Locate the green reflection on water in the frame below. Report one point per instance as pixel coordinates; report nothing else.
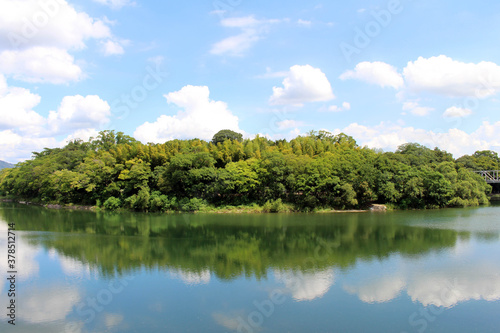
(229, 246)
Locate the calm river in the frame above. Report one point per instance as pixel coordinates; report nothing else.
(410, 271)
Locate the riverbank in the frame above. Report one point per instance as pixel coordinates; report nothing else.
(51, 206)
(241, 209)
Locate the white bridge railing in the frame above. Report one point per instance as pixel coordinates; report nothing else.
(490, 176)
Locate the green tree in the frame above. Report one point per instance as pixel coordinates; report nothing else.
(226, 134)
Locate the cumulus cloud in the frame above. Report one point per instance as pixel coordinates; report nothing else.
(379, 290)
(23, 130)
(389, 136)
(445, 286)
(16, 107)
(456, 112)
(15, 147)
(201, 117)
(40, 65)
(377, 72)
(37, 36)
(449, 287)
(111, 47)
(445, 76)
(33, 308)
(306, 286)
(414, 108)
(252, 30)
(303, 84)
(78, 112)
(28, 23)
(441, 75)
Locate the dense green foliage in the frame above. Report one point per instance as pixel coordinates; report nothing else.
(224, 135)
(317, 170)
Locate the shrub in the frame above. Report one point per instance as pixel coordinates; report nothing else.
(191, 205)
(112, 203)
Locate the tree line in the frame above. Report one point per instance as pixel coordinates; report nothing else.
(317, 170)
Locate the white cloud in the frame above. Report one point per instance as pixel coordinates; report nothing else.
(456, 112)
(78, 112)
(38, 36)
(271, 75)
(288, 123)
(378, 290)
(306, 286)
(445, 76)
(23, 130)
(377, 72)
(252, 30)
(16, 107)
(304, 23)
(15, 147)
(449, 287)
(201, 118)
(389, 136)
(74, 268)
(303, 84)
(33, 308)
(40, 65)
(81, 134)
(112, 320)
(415, 108)
(235, 45)
(442, 287)
(191, 278)
(111, 47)
(335, 108)
(23, 25)
(115, 4)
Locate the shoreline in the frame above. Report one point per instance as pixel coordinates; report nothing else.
(211, 210)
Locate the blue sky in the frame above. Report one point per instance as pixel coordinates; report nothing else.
(385, 72)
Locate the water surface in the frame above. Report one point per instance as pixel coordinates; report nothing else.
(412, 271)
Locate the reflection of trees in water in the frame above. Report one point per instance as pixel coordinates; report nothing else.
(228, 246)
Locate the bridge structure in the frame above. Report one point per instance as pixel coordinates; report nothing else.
(490, 176)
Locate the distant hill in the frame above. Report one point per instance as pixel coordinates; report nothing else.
(5, 165)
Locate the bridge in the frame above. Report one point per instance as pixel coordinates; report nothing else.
(490, 176)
